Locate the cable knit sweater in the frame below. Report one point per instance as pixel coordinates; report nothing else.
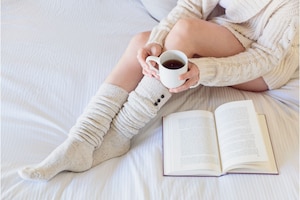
(268, 29)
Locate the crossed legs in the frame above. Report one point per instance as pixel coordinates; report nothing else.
(85, 146)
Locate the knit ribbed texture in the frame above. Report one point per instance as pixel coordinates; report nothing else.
(71, 155)
(265, 56)
(95, 121)
(142, 105)
(76, 152)
(282, 74)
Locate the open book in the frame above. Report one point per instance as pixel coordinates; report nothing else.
(233, 139)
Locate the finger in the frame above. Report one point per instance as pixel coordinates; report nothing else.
(141, 56)
(151, 73)
(191, 73)
(187, 85)
(150, 67)
(155, 50)
(185, 76)
(180, 88)
(147, 72)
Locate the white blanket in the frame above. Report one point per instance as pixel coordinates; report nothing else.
(55, 54)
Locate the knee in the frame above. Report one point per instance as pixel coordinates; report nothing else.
(180, 33)
(140, 39)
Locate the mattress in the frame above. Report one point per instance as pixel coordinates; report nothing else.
(55, 55)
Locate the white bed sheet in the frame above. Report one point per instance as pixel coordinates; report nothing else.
(55, 54)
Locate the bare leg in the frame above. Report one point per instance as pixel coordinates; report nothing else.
(128, 72)
(76, 154)
(197, 37)
(187, 36)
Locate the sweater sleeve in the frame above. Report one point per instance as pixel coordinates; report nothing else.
(183, 9)
(262, 57)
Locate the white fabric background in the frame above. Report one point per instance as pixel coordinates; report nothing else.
(55, 54)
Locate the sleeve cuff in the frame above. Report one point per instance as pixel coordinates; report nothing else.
(207, 73)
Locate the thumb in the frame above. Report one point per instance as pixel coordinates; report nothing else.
(155, 50)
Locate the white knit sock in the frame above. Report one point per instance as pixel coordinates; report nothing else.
(71, 155)
(114, 144)
(142, 106)
(76, 152)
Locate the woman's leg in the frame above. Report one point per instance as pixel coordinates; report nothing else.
(128, 72)
(76, 152)
(256, 85)
(195, 38)
(142, 105)
(199, 38)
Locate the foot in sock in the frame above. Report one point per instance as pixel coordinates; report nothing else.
(76, 153)
(71, 155)
(113, 145)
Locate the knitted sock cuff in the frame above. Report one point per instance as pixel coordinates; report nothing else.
(142, 106)
(95, 121)
(108, 100)
(115, 94)
(154, 91)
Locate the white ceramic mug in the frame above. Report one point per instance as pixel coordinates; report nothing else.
(171, 64)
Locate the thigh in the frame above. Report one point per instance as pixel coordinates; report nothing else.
(256, 85)
(202, 38)
(127, 73)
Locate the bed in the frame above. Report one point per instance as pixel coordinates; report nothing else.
(55, 54)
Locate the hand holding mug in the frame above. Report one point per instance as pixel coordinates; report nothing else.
(151, 49)
(171, 64)
(191, 77)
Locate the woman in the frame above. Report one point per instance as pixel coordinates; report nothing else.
(249, 45)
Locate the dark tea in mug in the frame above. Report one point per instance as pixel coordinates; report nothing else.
(173, 64)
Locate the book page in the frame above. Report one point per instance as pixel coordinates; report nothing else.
(190, 143)
(267, 167)
(239, 134)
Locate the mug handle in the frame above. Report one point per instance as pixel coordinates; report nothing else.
(155, 59)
